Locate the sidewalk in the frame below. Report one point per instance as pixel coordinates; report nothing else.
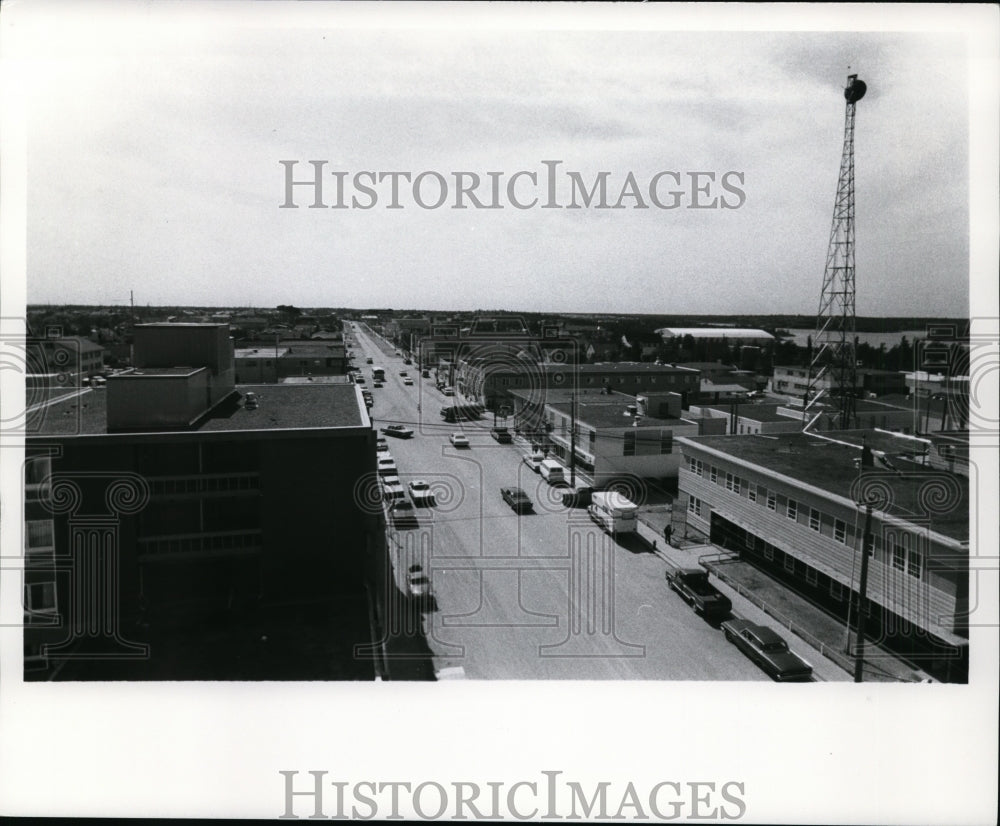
(761, 599)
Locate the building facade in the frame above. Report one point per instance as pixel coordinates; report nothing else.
(790, 504)
(174, 492)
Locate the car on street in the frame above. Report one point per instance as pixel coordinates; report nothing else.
(387, 466)
(403, 373)
(517, 499)
(449, 391)
(392, 490)
(421, 493)
(368, 360)
(768, 649)
(425, 374)
(381, 445)
(579, 498)
(408, 382)
(402, 514)
(502, 435)
(397, 430)
(534, 461)
(459, 440)
(417, 583)
(376, 384)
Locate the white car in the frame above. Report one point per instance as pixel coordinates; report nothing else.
(449, 391)
(387, 467)
(534, 461)
(408, 382)
(421, 493)
(459, 440)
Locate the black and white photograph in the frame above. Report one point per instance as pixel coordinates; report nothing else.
(483, 411)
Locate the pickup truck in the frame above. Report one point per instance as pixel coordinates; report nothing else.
(693, 586)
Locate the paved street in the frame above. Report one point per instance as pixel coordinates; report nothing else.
(540, 595)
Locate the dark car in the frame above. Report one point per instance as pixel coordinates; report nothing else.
(579, 498)
(403, 515)
(501, 434)
(768, 649)
(517, 499)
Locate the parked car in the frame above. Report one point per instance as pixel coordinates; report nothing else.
(502, 435)
(387, 466)
(376, 384)
(517, 499)
(397, 430)
(768, 649)
(368, 360)
(459, 440)
(579, 498)
(421, 493)
(534, 461)
(449, 391)
(402, 514)
(425, 374)
(694, 588)
(381, 445)
(418, 584)
(408, 382)
(402, 373)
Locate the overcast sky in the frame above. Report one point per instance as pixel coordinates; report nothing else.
(154, 143)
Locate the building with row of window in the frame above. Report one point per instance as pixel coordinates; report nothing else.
(794, 504)
(492, 382)
(616, 436)
(270, 364)
(175, 493)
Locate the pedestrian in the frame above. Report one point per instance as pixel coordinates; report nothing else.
(667, 532)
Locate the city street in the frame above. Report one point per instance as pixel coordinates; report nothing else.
(545, 594)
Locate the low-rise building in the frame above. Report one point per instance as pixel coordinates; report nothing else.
(794, 504)
(491, 382)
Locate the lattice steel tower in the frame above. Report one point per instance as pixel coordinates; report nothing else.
(832, 367)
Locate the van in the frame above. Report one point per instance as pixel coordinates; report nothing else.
(552, 472)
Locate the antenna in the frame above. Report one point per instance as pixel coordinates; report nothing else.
(832, 368)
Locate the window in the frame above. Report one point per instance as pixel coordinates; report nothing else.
(897, 554)
(768, 551)
(695, 465)
(772, 501)
(790, 563)
(41, 597)
(694, 505)
(836, 590)
(593, 438)
(811, 576)
(628, 447)
(839, 531)
(713, 473)
(752, 492)
(792, 510)
(916, 564)
(666, 441)
(733, 483)
(38, 534)
(814, 519)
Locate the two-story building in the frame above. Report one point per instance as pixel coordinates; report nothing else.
(794, 504)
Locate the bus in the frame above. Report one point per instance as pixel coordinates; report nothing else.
(460, 412)
(378, 374)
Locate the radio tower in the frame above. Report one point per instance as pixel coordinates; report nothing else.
(832, 365)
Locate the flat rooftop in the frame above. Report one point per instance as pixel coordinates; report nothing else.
(603, 414)
(281, 407)
(829, 465)
(755, 412)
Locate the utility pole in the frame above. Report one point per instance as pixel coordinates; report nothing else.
(859, 653)
(572, 440)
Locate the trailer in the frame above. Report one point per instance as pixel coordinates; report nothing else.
(613, 512)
